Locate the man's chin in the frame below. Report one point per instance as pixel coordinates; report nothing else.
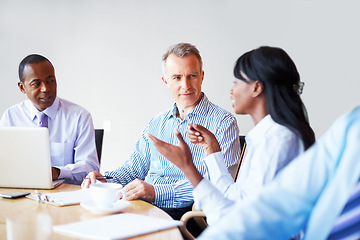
(190, 101)
(43, 106)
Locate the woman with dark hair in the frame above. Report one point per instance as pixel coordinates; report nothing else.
(275, 70)
(267, 87)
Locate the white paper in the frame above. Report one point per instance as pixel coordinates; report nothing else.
(118, 226)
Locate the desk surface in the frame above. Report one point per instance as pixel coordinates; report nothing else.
(69, 214)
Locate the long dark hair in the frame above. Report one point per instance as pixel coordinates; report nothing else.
(277, 72)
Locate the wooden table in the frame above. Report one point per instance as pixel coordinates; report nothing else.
(75, 213)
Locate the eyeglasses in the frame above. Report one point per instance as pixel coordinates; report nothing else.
(40, 197)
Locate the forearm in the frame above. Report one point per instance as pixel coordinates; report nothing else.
(81, 163)
(211, 201)
(123, 175)
(80, 156)
(192, 174)
(174, 195)
(213, 148)
(218, 173)
(136, 167)
(75, 173)
(229, 143)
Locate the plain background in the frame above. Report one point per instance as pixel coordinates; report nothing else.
(107, 54)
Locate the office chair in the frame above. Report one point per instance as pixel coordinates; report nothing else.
(99, 135)
(197, 215)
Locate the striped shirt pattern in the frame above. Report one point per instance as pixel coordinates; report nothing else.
(347, 226)
(172, 188)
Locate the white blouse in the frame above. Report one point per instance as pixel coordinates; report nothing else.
(270, 147)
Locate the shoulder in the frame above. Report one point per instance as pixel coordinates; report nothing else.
(351, 118)
(271, 134)
(280, 133)
(73, 112)
(161, 116)
(213, 117)
(345, 127)
(20, 114)
(71, 107)
(220, 115)
(276, 145)
(281, 139)
(218, 112)
(18, 108)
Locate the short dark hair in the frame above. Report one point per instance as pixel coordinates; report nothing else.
(181, 50)
(31, 59)
(277, 72)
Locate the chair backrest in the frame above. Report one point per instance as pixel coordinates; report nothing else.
(99, 135)
(242, 152)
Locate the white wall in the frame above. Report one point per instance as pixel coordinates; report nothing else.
(107, 54)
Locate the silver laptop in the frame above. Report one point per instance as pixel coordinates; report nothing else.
(25, 158)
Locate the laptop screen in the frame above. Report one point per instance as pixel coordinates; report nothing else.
(25, 158)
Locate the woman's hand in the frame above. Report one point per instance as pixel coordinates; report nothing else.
(178, 155)
(202, 137)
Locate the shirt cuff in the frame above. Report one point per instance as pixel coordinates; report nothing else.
(215, 165)
(64, 172)
(163, 195)
(211, 201)
(201, 192)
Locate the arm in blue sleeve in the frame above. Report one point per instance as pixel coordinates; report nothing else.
(135, 167)
(175, 195)
(285, 205)
(85, 156)
(228, 137)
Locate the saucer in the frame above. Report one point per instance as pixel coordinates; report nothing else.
(94, 208)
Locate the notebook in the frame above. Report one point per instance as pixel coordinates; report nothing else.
(25, 158)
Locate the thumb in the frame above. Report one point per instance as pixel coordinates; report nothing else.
(198, 127)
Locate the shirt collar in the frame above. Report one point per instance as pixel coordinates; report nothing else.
(50, 111)
(200, 109)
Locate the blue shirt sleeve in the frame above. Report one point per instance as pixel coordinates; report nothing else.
(303, 194)
(135, 167)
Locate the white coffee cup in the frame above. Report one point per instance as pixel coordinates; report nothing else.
(105, 195)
